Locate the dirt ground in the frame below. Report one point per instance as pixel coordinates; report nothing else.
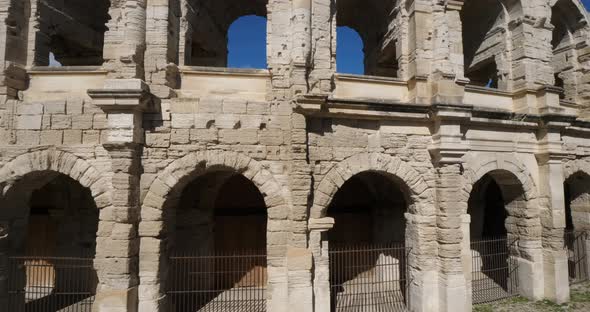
(580, 302)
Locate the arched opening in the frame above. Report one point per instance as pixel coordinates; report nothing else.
(53, 238)
(377, 24)
(484, 29)
(368, 257)
(218, 247)
(577, 213)
(71, 32)
(566, 19)
(225, 33)
(495, 206)
(349, 51)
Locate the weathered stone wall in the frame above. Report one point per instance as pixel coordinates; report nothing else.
(140, 126)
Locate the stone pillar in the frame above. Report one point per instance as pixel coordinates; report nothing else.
(467, 256)
(125, 40)
(318, 244)
(117, 246)
(447, 151)
(553, 215)
(452, 205)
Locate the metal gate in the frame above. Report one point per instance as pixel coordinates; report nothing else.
(220, 282)
(369, 278)
(575, 242)
(51, 284)
(494, 271)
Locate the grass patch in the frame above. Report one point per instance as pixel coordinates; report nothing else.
(483, 308)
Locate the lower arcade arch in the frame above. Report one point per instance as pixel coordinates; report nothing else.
(497, 208)
(217, 247)
(368, 256)
(577, 225)
(53, 222)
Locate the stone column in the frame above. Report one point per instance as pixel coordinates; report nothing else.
(318, 244)
(466, 255)
(117, 247)
(553, 215)
(447, 151)
(125, 40)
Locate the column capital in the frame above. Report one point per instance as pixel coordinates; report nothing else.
(122, 95)
(321, 225)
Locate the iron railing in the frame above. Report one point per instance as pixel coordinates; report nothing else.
(369, 278)
(220, 282)
(575, 243)
(494, 271)
(49, 284)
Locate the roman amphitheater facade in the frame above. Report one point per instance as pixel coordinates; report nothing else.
(144, 150)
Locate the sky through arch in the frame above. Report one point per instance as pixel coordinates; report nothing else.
(247, 43)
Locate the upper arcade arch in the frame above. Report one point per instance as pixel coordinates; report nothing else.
(70, 30)
(570, 30)
(487, 43)
(379, 25)
(204, 27)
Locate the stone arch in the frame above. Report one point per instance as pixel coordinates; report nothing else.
(477, 167)
(410, 179)
(58, 161)
(579, 165)
(180, 172)
(163, 194)
(486, 35)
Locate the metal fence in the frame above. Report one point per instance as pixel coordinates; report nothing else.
(494, 270)
(50, 284)
(218, 282)
(575, 243)
(369, 278)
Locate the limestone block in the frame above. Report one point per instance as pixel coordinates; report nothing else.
(30, 109)
(55, 107)
(51, 137)
(157, 140)
(75, 106)
(72, 137)
(61, 122)
(180, 136)
(28, 137)
(28, 122)
(231, 106)
(210, 105)
(183, 121)
(91, 137)
(204, 135)
(241, 136)
(82, 122)
(271, 137)
(258, 108)
(100, 122)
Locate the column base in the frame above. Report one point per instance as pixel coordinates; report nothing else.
(557, 287)
(117, 300)
(453, 294)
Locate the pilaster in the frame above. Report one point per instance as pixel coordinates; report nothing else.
(447, 150)
(117, 254)
(553, 215)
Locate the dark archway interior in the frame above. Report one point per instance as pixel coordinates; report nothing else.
(482, 40)
(376, 24)
(367, 242)
(577, 204)
(487, 209)
(73, 31)
(206, 41)
(219, 246)
(56, 245)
